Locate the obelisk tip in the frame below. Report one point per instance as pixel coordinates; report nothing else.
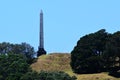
(41, 11)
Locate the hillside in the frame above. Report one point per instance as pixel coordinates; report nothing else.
(52, 62)
(60, 62)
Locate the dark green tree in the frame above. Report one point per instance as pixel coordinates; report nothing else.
(112, 54)
(5, 48)
(22, 48)
(86, 56)
(25, 49)
(13, 66)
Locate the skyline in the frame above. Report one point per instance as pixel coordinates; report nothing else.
(64, 21)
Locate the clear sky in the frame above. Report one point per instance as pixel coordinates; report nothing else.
(65, 21)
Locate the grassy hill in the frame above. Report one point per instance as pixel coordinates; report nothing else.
(52, 62)
(60, 62)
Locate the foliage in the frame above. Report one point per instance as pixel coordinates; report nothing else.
(22, 48)
(32, 75)
(97, 52)
(13, 66)
(112, 54)
(86, 56)
(44, 75)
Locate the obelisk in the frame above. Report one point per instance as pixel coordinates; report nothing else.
(41, 49)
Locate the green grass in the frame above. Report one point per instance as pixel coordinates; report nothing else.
(60, 62)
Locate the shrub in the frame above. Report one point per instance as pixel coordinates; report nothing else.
(45, 75)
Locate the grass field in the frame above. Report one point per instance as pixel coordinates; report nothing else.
(60, 62)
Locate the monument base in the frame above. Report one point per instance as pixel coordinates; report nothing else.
(40, 52)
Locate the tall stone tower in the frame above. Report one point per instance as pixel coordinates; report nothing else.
(41, 49)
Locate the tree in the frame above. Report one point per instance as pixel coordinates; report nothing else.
(5, 48)
(86, 57)
(25, 49)
(22, 48)
(112, 54)
(13, 66)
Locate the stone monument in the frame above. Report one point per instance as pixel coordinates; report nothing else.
(41, 49)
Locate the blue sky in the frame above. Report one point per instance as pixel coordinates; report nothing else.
(65, 21)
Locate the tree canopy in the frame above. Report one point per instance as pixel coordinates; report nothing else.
(13, 66)
(22, 48)
(94, 50)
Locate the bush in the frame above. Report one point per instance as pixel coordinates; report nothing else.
(30, 76)
(44, 75)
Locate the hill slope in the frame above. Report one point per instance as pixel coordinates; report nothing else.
(60, 62)
(52, 62)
